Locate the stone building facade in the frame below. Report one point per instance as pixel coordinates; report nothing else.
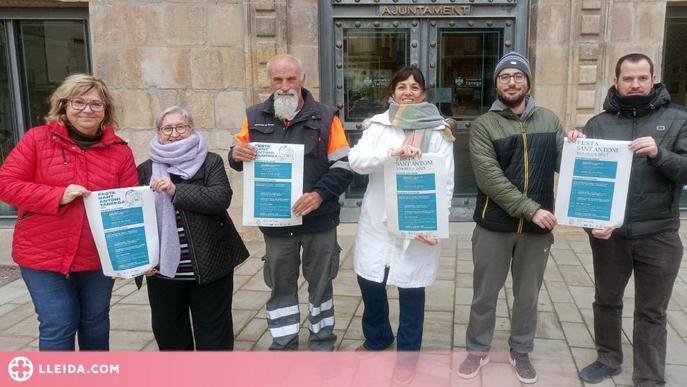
(210, 56)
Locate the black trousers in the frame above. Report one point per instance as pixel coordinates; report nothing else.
(210, 313)
(655, 261)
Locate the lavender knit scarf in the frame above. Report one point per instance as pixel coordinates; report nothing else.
(183, 158)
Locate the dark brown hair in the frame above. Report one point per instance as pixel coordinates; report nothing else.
(633, 58)
(403, 74)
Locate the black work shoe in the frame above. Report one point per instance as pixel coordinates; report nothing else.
(469, 368)
(597, 372)
(524, 369)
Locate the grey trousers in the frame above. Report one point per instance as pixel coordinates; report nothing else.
(494, 254)
(320, 255)
(655, 261)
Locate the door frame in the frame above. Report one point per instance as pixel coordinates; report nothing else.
(509, 16)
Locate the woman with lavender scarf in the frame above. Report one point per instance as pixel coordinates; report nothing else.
(199, 245)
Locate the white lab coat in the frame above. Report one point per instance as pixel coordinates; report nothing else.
(375, 247)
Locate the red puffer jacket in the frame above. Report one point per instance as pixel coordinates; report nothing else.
(33, 178)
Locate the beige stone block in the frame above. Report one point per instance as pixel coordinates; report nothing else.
(586, 99)
(651, 22)
(201, 106)
(206, 68)
(143, 25)
(6, 236)
(139, 141)
(552, 97)
(263, 80)
(219, 139)
(306, 2)
(303, 24)
(310, 56)
(550, 18)
(230, 109)
(264, 5)
(265, 26)
(167, 98)
(581, 119)
(232, 67)
(551, 64)
(589, 50)
(591, 4)
(263, 51)
(587, 74)
(166, 67)
(225, 25)
(621, 22)
(138, 108)
(185, 24)
(590, 24)
(107, 23)
(108, 65)
(131, 70)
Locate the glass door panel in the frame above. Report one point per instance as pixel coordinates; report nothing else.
(466, 62)
(466, 67)
(8, 129)
(368, 53)
(50, 50)
(371, 56)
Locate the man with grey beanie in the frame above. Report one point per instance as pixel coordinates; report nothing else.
(515, 148)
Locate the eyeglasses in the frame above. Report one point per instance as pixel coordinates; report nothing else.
(80, 104)
(505, 78)
(180, 129)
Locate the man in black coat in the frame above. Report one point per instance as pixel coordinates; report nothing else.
(639, 110)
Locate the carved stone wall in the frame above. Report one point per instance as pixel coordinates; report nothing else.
(578, 43)
(203, 55)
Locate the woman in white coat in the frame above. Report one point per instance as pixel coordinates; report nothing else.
(409, 128)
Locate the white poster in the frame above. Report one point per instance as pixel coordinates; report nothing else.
(124, 226)
(593, 181)
(271, 185)
(415, 191)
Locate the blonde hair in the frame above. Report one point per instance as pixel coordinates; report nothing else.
(76, 85)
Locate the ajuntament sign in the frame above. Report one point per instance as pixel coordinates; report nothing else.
(424, 10)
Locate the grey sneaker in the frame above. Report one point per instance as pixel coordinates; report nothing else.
(524, 369)
(469, 368)
(597, 372)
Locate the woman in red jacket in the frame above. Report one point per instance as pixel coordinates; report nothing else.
(46, 176)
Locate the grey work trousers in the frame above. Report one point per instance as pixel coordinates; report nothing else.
(655, 261)
(320, 255)
(494, 254)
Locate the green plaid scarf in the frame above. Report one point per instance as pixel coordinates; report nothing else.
(417, 120)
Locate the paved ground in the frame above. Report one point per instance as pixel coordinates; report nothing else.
(564, 336)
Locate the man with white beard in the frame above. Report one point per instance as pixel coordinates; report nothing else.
(291, 115)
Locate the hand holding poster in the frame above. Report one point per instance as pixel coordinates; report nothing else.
(272, 183)
(124, 228)
(593, 181)
(415, 196)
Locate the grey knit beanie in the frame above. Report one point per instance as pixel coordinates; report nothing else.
(513, 60)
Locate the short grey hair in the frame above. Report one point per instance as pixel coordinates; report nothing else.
(174, 109)
(301, 71)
